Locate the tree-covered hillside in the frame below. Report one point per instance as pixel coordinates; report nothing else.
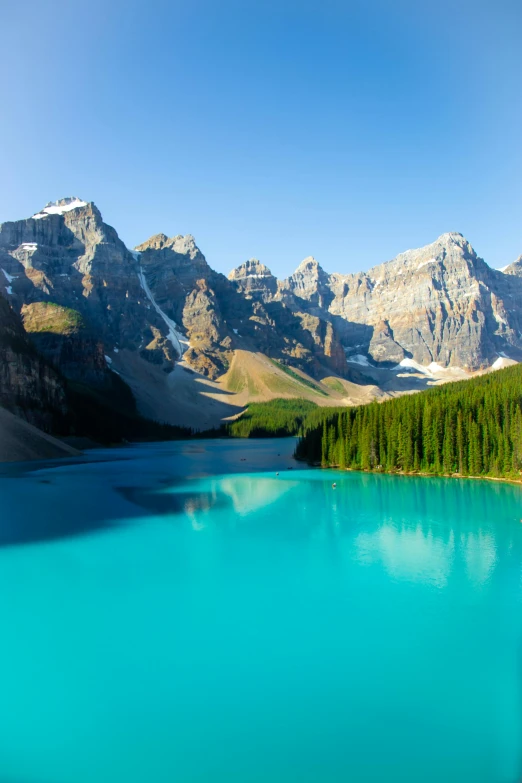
(471, 428)
(277, 418)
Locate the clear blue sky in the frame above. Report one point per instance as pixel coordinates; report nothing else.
(347, 131)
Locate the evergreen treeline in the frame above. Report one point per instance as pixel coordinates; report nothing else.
(471, 428)
(111, 416)
(277, 418)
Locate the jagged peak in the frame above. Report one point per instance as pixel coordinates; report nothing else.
(513, 268)
(155, 242)
(251, 268)
(433, 253)
(309, 264)
(184, 245)
(69, 201)
(451, 236)
(60, 207)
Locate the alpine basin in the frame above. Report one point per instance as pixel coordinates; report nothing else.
(179, 612)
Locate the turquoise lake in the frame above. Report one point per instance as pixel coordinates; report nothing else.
(178, 612)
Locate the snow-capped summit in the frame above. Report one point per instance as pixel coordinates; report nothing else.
(60, 206)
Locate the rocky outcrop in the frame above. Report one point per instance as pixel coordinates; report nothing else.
(382, 345)
(281, 328)
(441, 303)
(514, 269)
(189, 294)
(66, 254)
(62, 336)
(310, 283)
(254, 279)
(29, 387)
(217, 315)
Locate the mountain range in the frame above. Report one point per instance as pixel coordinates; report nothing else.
(194, 346)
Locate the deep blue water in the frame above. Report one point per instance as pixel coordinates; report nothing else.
(177, 612)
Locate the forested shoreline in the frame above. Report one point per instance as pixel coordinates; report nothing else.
(277, 418)
(468, 428)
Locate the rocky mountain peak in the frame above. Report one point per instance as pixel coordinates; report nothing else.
(180, 245)
(452, 249)
(452, 236)
(155, 242)
(454, 241)
(513, 269)
(250, 268)
(254, 280)
(309, 282)
(60, 207)
(310, 265)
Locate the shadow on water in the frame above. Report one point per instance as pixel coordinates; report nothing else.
(30, 531)
(172, 503)
(32, 528)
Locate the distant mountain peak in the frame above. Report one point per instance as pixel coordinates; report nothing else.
(308, 263)
(60, 207)
(183, 245)
(451, 236)
(515, 268)
(452, 243)
(251, 268)
(310, 268)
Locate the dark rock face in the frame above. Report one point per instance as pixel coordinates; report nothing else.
(29, 386)
(63, 338)
(383, 347)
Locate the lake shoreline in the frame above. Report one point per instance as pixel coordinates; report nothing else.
(414, 474)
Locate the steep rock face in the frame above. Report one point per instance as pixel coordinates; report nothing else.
(191, 294)
(62, 336)
(254, 279)
(382, 345)
(66, 254)
(281, 328)
(172, 265)
(309, 282)
(514, 269)
(217, 315)
(210, 341)
(441, 303)
(29, 387)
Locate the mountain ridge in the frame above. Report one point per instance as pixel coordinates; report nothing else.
(161, 308)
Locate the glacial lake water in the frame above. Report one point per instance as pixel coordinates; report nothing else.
(179, 613)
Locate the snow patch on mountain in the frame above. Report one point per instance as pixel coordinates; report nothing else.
(502, 362)
(179, 342)
(60, 207)
(358, 358)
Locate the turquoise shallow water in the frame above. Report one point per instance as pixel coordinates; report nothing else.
(178, 612)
